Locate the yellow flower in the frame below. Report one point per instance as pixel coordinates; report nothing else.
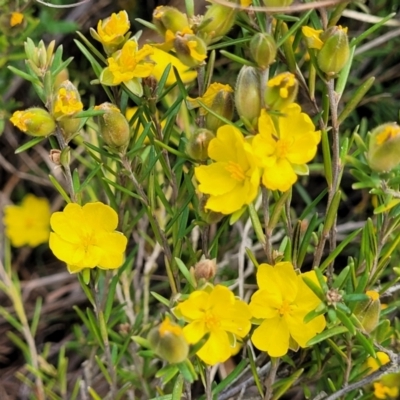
(374, 364)
(67, 101)
(279, 153)
(233, 180)
(218, 313)
(85, 237)
(111, 30)
(381, 391)
(34, 121)
(29, 223)
(245, 3)
(162, 59)
(209, 96)
(282, 302)
(16, 18)
(281, 91)
(128, 65)
(312, 37)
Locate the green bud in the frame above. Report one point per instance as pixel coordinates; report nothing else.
(208, 216)
(169, 18)
(222, 104)
(69, 127)
(197, 145)
(168, 342)
(114, 127)
(217, 22)
(34, 121)
(281, 91)
(248, 94)
(190, 49)
(335, 51)
(263, 49)
(277, 3)
(384, 147)
(39, 57)
(368, 311)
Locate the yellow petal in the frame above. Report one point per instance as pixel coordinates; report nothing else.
(194, 331)
(266, 303)
(225, 145)
(215, 179)
(279, 176)
(217, 348)
(193, 307)
(100, 216)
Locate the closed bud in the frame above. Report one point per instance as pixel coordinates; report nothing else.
(55, 156)
(114, 127)
(248, 95)
(34, 121)
(67, 101)
(263, 49)
(281, 91)
(197, 145)
(168, 342)
(205, 269)
(167, 18)
(217, 22)
(277, 3)
(335, 51)
(190, 49)
(368, 311)
(222, 105)
(69, 127)
(384, 147)
(39, 57)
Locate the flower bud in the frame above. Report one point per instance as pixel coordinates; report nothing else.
(34, 121)
(39, 58)
(368, 311)
(205, 269)
(384, 147)
(222, 104)
(169, 18)
(197, 145)
(263, 49)
(67, 101)
(217, 22)
(111, 31)
(168, 342)
(55, 156)
(190, 49)
(114, 127)
(277, 3)
(208, 216)
(69, 127)
(281, 91)
(335, 52)
(248, 94)
(12, 24)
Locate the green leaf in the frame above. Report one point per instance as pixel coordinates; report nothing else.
(186, 273)
(59, 188)
(29, 144)
(161, 299)
(368, 346)
(337, 330)
(345, 320)
(230, 378)
(283, 385)
(24, 75)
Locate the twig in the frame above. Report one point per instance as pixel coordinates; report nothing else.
(271, 378)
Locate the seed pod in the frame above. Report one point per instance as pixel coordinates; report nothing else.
(168, 342)
(197, 145)
(34, 121)
(222, 104)
(263, 49)
(384, 147)
(169, 18)
(248, 94)
(335, 51)
(205, 269)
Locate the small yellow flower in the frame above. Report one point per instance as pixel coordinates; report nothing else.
(209, 96)
(16, 18)
(111, 30)
(281, 91)
(128, 65)
(278, 153)
(34, 121)
(312, 37)
(282, 302)
(29, 223)
(233, 180)
(381, 391)
(374, 364)
(67, 101)
(85, 237)
(218, 313)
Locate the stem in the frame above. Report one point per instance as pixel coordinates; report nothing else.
(271, 378)
(209, 395)
(65, 164)
(265, 206)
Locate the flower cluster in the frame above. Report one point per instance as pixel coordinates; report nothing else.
(278, 307)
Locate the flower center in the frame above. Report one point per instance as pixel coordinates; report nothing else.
(88, 241)
(212, 322)
(236, 171)
(282, 148)
(285, 309)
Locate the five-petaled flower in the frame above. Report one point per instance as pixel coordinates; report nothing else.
(280, 148)
(233, 180)
(29, 223)
(281, 303)
(111, 30)
(217, 313)
(85, 237)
